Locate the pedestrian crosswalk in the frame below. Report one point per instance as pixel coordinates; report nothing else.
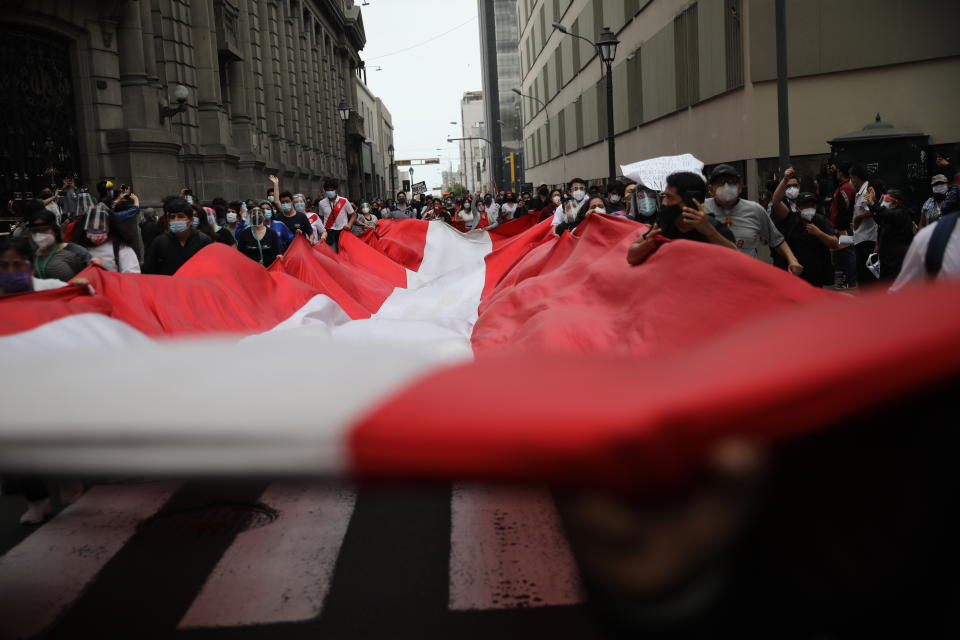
(506, 551)
(43, 575)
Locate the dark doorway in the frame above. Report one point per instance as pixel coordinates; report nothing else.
(38, 131)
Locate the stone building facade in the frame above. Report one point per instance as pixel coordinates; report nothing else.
(264, 78)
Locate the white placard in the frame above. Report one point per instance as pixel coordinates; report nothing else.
(653, 173)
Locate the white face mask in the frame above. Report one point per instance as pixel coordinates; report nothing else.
(270, 198)
(727, 192)
(614, 198)
(939, 188)
(579, 195)
(366, 209)
(231, 217)
(807, 214)
(43, 240)
(556, 199)
(599, 210)
(793, 192)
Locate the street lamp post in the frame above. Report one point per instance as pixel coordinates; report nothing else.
(489, 146)
(606, 48)
(343, 110)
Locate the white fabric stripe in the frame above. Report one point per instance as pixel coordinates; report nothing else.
(198, 407)
(43, 575)
(83, 330)
(280, 572)
(193, 407)
(508, 550)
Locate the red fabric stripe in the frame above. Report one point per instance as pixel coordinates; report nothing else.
(577, 293)
(359, 294)
(640, 422)
(218, 291)
(360, 255)
(402, 241)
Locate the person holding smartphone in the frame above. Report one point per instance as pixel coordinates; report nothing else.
(682, 216)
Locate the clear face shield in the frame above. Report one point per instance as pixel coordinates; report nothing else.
(97, 225)
(257, 219)
(299, 203)
(98, 219)
(645, 202)
(86, 204)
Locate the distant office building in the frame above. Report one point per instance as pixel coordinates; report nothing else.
(474, 154)
(500, 59)
(700, 77)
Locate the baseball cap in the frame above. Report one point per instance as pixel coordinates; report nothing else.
(806, 196)
(722, 171)
(939, 179)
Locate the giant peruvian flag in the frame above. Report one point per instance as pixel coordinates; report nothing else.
(420, 351)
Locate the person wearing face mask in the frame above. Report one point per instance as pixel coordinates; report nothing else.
(615, 191)
(784, 199)
(107, 242)
(234, 223)
(676, 220)
(577, 189)
(541, 202)
(930, 211)
(366, 220)
(337, 213)
(295, 220)
(894, 231)
(748, 221)
(465, 212)
(400, 209)
(509, 209)
(594, 204)
(210, 226)
(54, 258)
(259, 242)
(811, 237)
(271, 220)
(643, 204)
(300, 205)
(171, 250)
(17, 272)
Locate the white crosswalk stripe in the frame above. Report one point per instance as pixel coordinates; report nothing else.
(42, 576)
(507, 550)
(280, 572)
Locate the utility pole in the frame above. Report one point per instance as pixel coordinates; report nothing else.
(783, 106)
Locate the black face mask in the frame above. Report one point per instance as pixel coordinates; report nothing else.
(667, 219)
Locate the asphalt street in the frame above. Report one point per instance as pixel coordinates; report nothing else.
(259, 560)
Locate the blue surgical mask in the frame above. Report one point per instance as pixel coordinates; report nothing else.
(178, 226)
(196, 222)
(648, 206)
(268, 214)
(286, 206)
(300, 207)
(16, 281)
(331, 194)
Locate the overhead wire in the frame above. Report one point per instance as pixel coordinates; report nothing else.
(425, 42)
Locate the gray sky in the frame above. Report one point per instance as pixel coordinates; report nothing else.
(422, 86)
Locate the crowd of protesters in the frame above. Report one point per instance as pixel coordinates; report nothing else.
(852, 231)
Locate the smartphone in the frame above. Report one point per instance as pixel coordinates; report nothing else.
(688, 199)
